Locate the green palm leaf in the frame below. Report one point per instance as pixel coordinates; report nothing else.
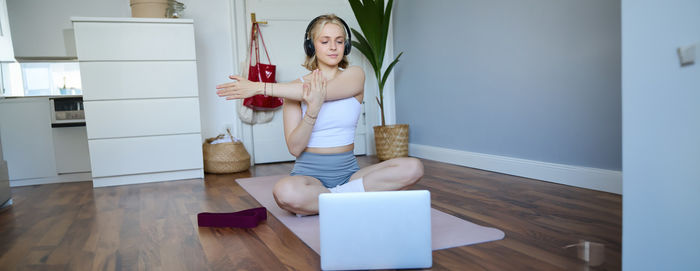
(374, 22)
(388, 70)
(385, 24)
(364, 47)
(368, 20)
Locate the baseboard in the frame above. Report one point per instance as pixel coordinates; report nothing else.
(148, 178)
(61, 178)
(585, 177)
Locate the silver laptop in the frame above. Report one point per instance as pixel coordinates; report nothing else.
(375, 230)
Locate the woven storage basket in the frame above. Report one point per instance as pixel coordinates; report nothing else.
(228, 157)
(391, 141)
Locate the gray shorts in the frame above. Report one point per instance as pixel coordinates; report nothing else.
(331, 169)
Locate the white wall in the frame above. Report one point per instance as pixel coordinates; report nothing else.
(661, 136)
(42, 29)
(215, 62)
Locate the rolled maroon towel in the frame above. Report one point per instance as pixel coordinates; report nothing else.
(242, 219)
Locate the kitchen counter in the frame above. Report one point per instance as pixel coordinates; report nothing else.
(41, 96)
(60, 117)
(35, 152)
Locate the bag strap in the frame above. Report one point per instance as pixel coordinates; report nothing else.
(252, 40)
(257, 52)
(257, 45)
(269, 61)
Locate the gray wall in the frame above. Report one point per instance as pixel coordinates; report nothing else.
(661, 136)
(537, 80)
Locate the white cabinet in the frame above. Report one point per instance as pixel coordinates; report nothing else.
(6, 52)
(27, 138)
(6, 55)
(146, 154)
(1, 157)
(104, 39)
(4, 174)
(4, 183)
(141, 100)
(139, 79)
(71, 147)
(128, 118)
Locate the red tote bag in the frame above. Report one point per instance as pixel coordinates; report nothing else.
(260, 73)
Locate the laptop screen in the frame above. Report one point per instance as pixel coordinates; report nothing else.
(375, 230)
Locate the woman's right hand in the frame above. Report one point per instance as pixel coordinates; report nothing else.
(240, 89)
(314, 93)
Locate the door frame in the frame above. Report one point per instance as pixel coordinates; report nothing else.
(240, 25)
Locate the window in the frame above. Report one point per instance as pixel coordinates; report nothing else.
(41, 78)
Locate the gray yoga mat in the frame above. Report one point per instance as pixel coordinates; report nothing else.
(448, 231)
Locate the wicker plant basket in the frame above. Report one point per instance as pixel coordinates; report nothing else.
(391, 141)
(228, 157)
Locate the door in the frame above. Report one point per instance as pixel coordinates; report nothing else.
(286, 22)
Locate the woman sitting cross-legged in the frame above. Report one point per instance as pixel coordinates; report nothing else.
(320, 113)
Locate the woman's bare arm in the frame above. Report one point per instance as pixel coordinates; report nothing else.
(347, 84)
(296, 131)
(298, 128)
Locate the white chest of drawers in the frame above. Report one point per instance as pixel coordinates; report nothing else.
(141, 100)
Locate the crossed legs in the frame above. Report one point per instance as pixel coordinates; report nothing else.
(299, 194)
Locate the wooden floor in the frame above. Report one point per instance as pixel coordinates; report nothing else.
(153, 226)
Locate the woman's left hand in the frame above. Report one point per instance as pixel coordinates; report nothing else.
(240, 89)
(315, 92)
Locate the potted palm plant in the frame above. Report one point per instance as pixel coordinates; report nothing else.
(390, 140)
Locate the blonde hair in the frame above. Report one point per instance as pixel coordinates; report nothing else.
(311, 63)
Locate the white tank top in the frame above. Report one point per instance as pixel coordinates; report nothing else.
(335, 124)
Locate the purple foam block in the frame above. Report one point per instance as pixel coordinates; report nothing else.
(242, 219)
